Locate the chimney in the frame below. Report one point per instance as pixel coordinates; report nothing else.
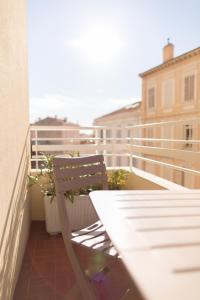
(168, 51)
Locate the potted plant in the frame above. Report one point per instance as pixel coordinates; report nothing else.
(117, 179)
(79, 207)
(44, 178)
(80, 210)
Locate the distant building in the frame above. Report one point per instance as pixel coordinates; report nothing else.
(171, 91)
(52, 137)
(117, 128)
(54, 121)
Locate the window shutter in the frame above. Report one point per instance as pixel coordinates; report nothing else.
(151, 98)
(189, 88)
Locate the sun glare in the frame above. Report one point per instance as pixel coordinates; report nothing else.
(100, 43)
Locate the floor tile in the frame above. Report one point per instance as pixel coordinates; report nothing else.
(46, 272)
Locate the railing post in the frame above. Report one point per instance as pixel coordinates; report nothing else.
(36, 148)
(131, 151)
(97, 139)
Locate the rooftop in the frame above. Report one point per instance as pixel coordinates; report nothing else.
(172, 61)
(128, 108)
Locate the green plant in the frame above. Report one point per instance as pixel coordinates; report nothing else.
(45, 178)
(117, 179)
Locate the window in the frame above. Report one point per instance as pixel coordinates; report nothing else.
(118, 161)
(168, 94)
(188, 134)
(101, 133)
(151, 98)
(118, 135)
(128, 136)
(189, 88)
(109, 160)
(108, 135)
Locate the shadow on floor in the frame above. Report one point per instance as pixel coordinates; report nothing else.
(46, 272)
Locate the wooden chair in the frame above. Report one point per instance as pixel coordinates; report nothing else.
(71, 174)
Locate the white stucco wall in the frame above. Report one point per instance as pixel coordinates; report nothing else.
(14, 122)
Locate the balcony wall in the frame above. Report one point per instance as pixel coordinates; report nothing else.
(14, 126)
(137, 180)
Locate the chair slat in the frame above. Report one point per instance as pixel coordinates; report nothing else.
(82, 170)
(79, 238)
(83, 182)
(60, 161)
(95, 226)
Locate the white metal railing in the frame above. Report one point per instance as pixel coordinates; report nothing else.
(155, 147)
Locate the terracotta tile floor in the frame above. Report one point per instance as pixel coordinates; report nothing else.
(46, 272)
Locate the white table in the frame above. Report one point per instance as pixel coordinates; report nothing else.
(157, 234)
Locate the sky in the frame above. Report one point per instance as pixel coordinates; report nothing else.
(85, 55)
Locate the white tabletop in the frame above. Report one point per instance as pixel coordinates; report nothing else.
(157, 234)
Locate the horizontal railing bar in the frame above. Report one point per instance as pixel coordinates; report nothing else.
(63, 138)
(163, 123)
(101, 143)
(62, 128)
(165, 140)
(81, 128)
(74, 147)
(169, 153)
(40, 158)
(118, 139)
(167, 165)
(76, 138)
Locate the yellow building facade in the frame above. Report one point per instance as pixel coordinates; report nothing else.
(171, 92)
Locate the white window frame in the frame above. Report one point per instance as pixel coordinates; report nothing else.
(188, 132)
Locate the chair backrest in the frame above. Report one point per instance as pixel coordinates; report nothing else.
(72, 174)
(79, 172)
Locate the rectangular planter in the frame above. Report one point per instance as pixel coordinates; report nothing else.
(81, 213)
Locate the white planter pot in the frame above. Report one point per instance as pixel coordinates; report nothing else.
(51, 215)
(81, 213)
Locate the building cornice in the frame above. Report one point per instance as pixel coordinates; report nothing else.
(172, 61)
(126, 109)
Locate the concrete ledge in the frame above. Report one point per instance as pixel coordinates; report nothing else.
(145, 180)
(137, 180)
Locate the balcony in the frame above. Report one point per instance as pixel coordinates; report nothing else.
(46, 271)
(164, 149)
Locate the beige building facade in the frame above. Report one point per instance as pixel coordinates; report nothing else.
(171, 92)
(117, 128)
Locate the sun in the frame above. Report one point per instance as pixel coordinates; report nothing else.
(100, 43)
